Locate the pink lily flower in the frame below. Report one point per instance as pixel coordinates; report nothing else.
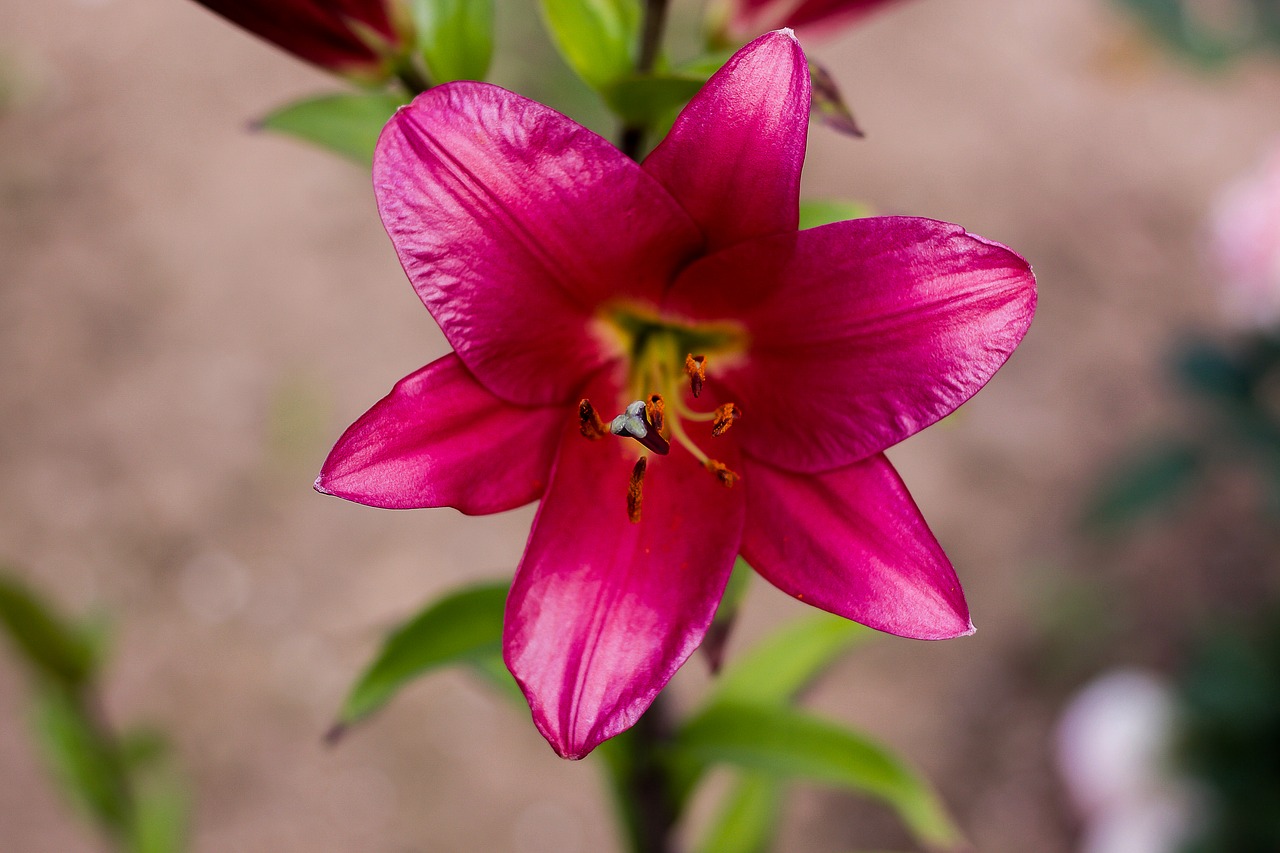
(680, 376)
(809, 16)
(352, 37)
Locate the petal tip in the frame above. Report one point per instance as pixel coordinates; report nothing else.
(319, 485)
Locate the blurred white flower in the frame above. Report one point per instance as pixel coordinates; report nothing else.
(1113, 751)
(1245, 242)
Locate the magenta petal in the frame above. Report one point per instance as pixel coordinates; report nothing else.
(826, 15)
(602, 611)
(733, 157)
(514, 225)
(852, 542)
(320, 31)
(861, 333)
(440, 439)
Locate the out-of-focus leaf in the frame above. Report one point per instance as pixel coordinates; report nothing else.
(828, 106)
(160, 816)
(1149, 480)
(494, 672)
(596, 37)
(347, 123)
(57, 651)
(780, 666)
(648, 98)
(785, 743)
(1177, 26)
(706, 65)
(815, 212)
(142, 748)
(455, 37)
(1209, 369)
(463, 627)
(748, 818)
(84, 764)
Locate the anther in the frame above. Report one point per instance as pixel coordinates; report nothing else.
(725, 416)
(633, 489)
(696, 367)
(589, 423)
(634, 423)
(726, 477)
(656, 409)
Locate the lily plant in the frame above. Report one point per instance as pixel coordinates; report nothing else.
(690, 384)
(679, 375)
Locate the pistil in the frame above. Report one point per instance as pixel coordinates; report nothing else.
(634, 422)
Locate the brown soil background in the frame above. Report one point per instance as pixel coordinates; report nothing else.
(190, 313)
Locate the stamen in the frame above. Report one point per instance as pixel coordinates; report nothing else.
(634, 422)
(633, 489)
(656, 409)
(726, 477)
(589, 423)
(696, 367)
(725, 416)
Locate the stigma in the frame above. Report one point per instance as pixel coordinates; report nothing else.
(634, 423)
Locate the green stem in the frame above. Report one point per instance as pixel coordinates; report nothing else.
(411, 77)
(651, 29)
(643, 787)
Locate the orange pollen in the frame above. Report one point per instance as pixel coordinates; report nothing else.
(589, 423)
(656, 409)
(696, 367)
(726, 477)
(633, 489)
(725, 416)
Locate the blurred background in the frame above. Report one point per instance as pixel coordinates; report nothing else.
(192, 311)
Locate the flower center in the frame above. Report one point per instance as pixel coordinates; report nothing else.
(666, 358)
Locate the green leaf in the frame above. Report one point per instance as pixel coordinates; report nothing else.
(463, 627)
(142, 748)
(596, 37)
(83, 761)
(748, 818)
(780, 666)
(455, 37)
(785, 743)
(161, 807)
(494, 671)
(347, 123)
(1148, 481)
(160, 820)
(645, 99)
(815, 212)
(55, 650)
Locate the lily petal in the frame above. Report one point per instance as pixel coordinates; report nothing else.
(852, 542)
(325, 32)
(733, 156)
(440, 439)
(603, 611)
(514, 225)
(823, 16)
(861, 333)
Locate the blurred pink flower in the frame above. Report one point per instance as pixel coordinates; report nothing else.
(573, 282)
(353, 37)
(808, 16)
(1245, 235)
